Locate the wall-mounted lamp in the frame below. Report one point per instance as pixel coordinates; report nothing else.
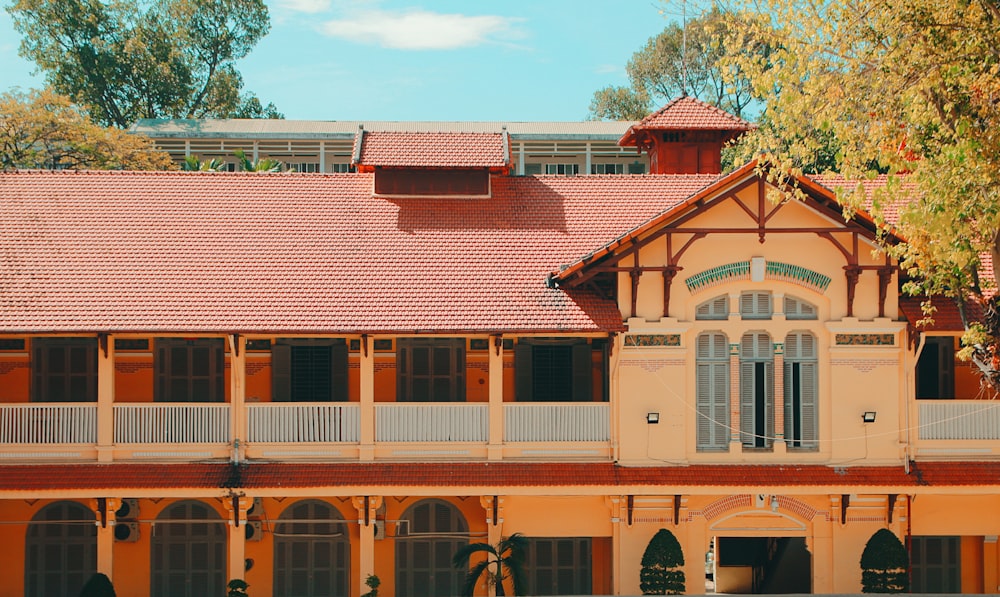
(652, 418)
(868, 416)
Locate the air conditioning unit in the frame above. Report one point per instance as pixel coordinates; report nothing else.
(254, 530)
(257, 508)
(127, 532)
(128, 509)
(379, 530)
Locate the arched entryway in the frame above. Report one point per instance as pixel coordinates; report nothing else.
(60, 550)
(188, 552)
(429, 534)
(312, 552)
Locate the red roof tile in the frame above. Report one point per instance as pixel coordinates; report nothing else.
(686, 114)
(434, 150)
(462, 476)
(245, 252)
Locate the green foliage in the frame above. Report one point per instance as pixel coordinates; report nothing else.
(662, 566)
(98, 585)
(191, 163)
(503, 561)
(237, 588)
(884, 564)
(372, 582)
(910, 90)
(43, 130)
(263, 165)
(130, 60)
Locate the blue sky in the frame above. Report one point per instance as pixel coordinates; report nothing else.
(429, 59)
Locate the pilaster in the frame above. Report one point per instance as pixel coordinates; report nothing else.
(105, 399)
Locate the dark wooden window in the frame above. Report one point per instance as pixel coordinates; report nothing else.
(756, 390)
(60, 550)
(712, 362)
(936, 564)
(190, 370)
(311, 551)
(430, 370)
(64, 370)
(188, 557)
(432, 182)
(936, 368)
(309, 370)
(559, 566)
(553, 370)
(801, 387)
(430, 534)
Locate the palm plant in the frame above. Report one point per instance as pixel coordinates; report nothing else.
(191, 163)
(263, 165)
(504, 560)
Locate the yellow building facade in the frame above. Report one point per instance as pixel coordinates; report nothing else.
(301, 381)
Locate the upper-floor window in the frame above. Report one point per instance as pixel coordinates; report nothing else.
(756, 390)
(430, 370)
(190, 370)
(64, 370)
(756, 305)
(717, 308)
(796, 308)
(567, 169)
(553, 370)
(310, 167)
(607, 168)
(800, 381)
(309, 370)
(936, 368)
(712, 393)
(340, 168)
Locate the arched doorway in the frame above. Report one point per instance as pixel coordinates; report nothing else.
(60, 550)
(311, 551)
(188, 552)
(430, 532)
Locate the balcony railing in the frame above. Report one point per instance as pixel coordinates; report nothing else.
(171, 423)
(959, 419)
(427, 422)
(303, 423)
(49, 423)
(557, 422)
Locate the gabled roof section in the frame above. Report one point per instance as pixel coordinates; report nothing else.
(432, 150)
(686, 114)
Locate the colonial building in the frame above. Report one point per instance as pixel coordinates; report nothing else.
(303, 379)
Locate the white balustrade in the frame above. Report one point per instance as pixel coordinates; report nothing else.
(285, 422)
(171, 423)
(431, 422)
(48, 423)
(557, 422)
(959, 419)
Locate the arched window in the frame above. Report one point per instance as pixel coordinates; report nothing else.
(712, 362)
(188, 556)
(716, 308)
(311, 551)
(756, 390)
(800, 382)
(428, 535)
(796, 308)
(60, 550)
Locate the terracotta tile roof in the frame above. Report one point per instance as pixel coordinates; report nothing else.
(686, 114)
(476, 476)
(890, 210)
(244, 252)
(433, 150)
(946, 316)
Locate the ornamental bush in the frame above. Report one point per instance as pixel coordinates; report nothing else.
(884, 564)
(662, 566)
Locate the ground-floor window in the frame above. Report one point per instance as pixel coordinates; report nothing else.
(559, 566)
(935, 564)
(311, 551)
(188, 556)
(427, 537)
(60, 550)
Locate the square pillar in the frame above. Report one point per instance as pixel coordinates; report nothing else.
(105, 399)
(238, 427)
(367, 406)
(496, 415)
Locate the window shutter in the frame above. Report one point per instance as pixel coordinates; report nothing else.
(281, 372)
(522, 372)
(810, 435)
(161, 391)
(798, 309)
(717, 308)
(338, 372)
(755, 305)
(712, 393)
(747, 391)
(582, 373)
(458, 370)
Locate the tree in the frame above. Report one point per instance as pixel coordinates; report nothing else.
(44, 130)
(506, 560)
(670, 65)
(131, 60)
(884, 564)
(910, 90)
(98, 585)
(237, 588)
(662, 566)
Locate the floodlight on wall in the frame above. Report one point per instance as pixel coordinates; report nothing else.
(868, 416)
(652, 418)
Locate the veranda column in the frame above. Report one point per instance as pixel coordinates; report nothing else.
(237, 395)
(820, 545)
(367, 507)
(367, 414)
(237, 507)
(693, 535)
(493, 504)
(106, 536)
(991, 557)
(496, 416)
(106, 399)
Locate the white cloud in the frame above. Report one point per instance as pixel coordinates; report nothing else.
(306, 6)
(419, 29)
